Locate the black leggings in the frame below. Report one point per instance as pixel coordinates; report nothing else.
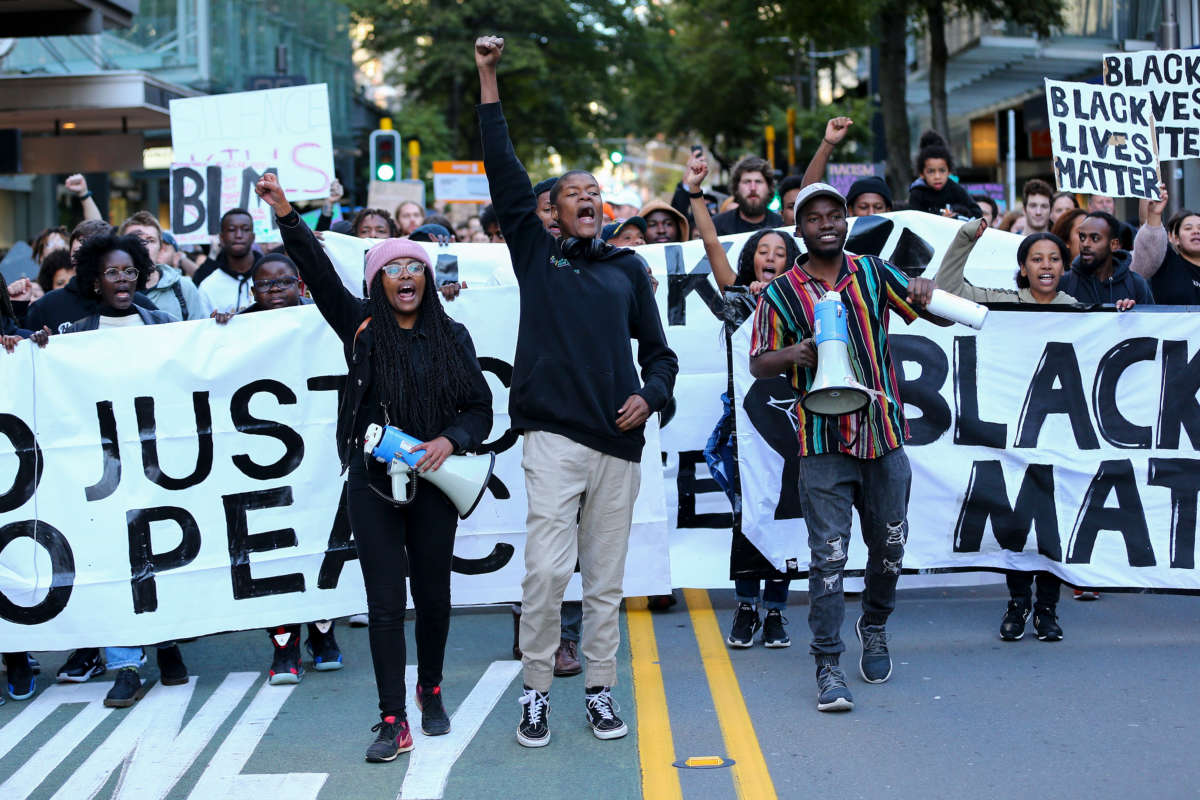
(1020, 587)
(416, 540)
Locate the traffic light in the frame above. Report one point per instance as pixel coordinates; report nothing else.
(385, 151)
(616, 157)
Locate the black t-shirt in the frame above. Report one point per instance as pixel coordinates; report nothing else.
(731, 222)
(1177, 282)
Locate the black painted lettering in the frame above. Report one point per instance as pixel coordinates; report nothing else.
(1127, 517)
(242, 543)
(987, 499)
(1116, 429)
(110, 452)
(1056, 388)
(1178, 408)
(62, 577)
(29, 462)
(969, 428)
(1182, 477)
(924, 392)
(144, 563)
(147, 430)
(245, 422)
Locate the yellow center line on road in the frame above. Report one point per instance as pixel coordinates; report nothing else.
(656, 747)
(751, 779)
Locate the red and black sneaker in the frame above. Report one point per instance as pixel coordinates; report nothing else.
(286, 668)
(434, 721)
(394, 738)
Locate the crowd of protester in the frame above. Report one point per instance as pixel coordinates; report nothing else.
(1075, 252)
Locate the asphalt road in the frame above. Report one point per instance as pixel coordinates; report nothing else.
(1108, 712)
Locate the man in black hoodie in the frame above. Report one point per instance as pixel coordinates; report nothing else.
(1101, 273)
(577, 399)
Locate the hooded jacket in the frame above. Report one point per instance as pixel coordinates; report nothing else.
(177, 295)
(923, 197)
(1124, 283)
(582, 303)
(63, 306)
(680, 219)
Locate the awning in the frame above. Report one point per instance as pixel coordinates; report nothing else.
(998, 71)
(109, 102)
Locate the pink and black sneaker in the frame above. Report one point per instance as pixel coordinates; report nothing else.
(394, 738)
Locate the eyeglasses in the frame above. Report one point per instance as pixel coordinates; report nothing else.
(412, 268)
(282, 283)
(112, 273)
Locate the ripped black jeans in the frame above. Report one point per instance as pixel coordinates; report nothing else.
(831, 485)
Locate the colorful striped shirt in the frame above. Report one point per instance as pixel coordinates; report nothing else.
(869, 286)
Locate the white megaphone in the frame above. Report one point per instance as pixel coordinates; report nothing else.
(835, 390)
(463, 479)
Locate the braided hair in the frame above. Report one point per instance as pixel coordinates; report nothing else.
(422, 408)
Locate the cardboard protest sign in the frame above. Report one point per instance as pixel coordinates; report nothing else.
(1172, 79)
(1103, 140)
(223, 143)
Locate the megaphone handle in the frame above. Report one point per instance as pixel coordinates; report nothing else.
(404, 488)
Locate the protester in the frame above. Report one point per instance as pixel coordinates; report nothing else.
(1060, 204)
(1104, 204)
(441, 220)
(990, 208)
(55, 271)
(375, 223)
(934, 191)
(330, 204)
(1101, 273)
(167, 287)
(48, 241)
(581, 455)
(411, 366)
(544, 211)
(409, 216)
(868, 196)
(109, 270)
(491, 223)
(627, 233)
(1067, 229)
(789, 187)
(1169, 257)
(1036, 198)
(764, 256)
(1013, 221)
(77, 185)
(224, 281)
(856, 460)
(664, 223)
(753, 183)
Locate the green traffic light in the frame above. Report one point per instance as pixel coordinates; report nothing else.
(616, 157)
(385, 172)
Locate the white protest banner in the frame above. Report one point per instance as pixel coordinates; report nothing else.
(1172, 80)
(1072, 434)
(1103, 140)
(200, 476)
(222, 143)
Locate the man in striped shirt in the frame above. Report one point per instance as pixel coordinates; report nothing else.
(850, 461)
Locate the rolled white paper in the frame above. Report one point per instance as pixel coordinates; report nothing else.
(957, 309)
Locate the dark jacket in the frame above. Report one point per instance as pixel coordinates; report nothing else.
(922, 197)
(9, 327)
(92, 321)
(466, 427)
(68, 304)
(730, 222)
(1124, 283)
(574, 363)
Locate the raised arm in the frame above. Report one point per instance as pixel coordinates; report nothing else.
(78, 184)
(1150, 244)
(508, 181)
(342, 310)
(697, 170)
(949, 277)
(835, 131)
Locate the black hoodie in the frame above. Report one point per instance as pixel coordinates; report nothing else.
(574, 363)
(1124, 283)
(66, 305)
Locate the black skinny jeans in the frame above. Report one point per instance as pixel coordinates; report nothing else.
(1020, 587)
(416, 540)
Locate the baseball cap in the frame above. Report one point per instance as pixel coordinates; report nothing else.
(815, 190)
(612, 229)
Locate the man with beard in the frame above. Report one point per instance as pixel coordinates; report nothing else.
(851, 461)
(753, 183)
(577, 398)
(1101, 273)
(224, 281)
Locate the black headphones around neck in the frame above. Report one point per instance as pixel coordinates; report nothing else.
(575, 247)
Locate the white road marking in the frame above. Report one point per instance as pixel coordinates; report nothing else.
(433, 757)
(149, 746)
(31, 774)
(223, 776)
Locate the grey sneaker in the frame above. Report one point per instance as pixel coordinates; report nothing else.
(832, 693)
(875, 666)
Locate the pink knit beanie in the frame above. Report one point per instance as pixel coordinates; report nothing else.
(389, 250)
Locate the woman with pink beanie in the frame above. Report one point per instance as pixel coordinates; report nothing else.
(410, 366)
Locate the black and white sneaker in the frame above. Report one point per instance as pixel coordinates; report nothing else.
(601, 714)
(534, 730)
(322, 647)
(1012, 626)
(832, 692)
(81, 666)
(774, 633)
(1045, 622)
(745, 624)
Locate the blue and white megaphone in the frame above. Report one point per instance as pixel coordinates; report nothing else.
(463, 479)
(835, 390)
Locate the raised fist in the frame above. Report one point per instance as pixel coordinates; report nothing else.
(77, 184)
(835, 129)
(488, 50)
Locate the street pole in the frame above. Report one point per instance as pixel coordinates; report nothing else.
(1168, 39)
(1012, 159)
